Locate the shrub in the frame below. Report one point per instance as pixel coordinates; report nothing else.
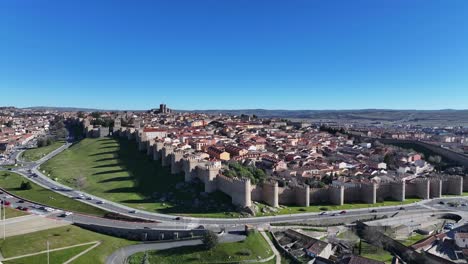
(244, 252)
(25, 185)
(210, 240)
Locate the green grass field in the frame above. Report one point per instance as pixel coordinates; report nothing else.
(10, 212)
(37, 153)
(251, 248)
(54, 256)
(60, 237)
(11, 182)
(115, 170)
(376, 253)
(413, 239)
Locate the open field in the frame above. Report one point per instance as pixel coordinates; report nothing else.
(251, 248)
(61, 237)
(54, 256)
(115, 170)
(376, 253)
(37, 153)
(11, 182)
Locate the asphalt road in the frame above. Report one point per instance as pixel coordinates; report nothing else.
(120, 256)
(29, 170)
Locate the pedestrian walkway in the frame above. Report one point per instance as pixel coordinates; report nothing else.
(273, 248)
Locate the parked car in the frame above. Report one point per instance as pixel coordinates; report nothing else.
(374, 211)
(132, 211)
(20, 201)
(323, 213)
(100, 202)
(343, 212)
(177, 218)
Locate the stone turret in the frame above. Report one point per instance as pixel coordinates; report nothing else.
(238, 188)
(302, 195)
(189, 165)
(157, 150)
(454, 185)
(435, 186)
(176, 164)
(369, 193)
(336, 194)
(208, 176)
(149, 147)
(422, 188)
(166, 155)
(398, 192)
(271, 193)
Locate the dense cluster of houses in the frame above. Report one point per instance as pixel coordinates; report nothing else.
(294, 155)
(18, 127)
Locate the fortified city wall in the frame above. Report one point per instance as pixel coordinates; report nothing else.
(242, 192)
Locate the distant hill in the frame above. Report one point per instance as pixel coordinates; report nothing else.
(384, 116)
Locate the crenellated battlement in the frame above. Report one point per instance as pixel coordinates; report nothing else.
(241, 190)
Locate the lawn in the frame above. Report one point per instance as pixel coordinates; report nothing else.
(249, 249)
(114, 169)
(38, 153)
(54, 256)
(412, 239)
(376, 253)
(11, 182)
(61, 237)
(10, 212)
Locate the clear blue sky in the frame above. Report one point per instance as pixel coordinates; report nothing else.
(231, 54)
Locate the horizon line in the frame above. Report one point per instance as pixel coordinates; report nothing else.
(250, 109)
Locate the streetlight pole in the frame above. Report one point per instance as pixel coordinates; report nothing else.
(1, 215)
(4, 220)
(48, 252)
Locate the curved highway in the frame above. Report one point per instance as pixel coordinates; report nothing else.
(121, 255)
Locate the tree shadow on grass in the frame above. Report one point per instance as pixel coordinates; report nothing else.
(109, 172)
(123, 190)
(105, 159)
(117, 179)
(104, 153)
(155, 183)
(138, 201)
(108, 165)
(109, 147)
